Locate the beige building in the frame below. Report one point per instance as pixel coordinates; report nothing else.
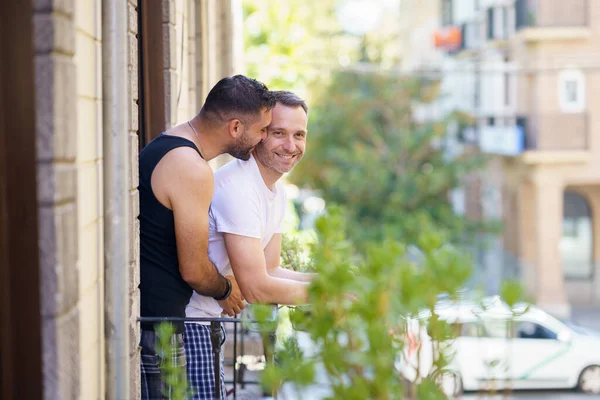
(552, 190)
(527, 71)
(87, 83)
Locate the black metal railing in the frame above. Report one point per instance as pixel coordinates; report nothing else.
(551, 13)
(216, 339)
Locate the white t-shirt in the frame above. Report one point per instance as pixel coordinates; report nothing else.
(242, 204)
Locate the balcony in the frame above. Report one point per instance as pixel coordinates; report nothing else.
(538, 20)
(555, 137)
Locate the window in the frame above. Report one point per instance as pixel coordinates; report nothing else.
(531, 330)
(506, 89)
(472, 329)
(571, 91)
(522, 14)
(485, 328)
(505, 23)
(576, 244)
(495, 328)
(477, 92)
(490, 23)
(447, 12)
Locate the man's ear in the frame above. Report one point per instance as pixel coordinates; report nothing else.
(236, 128)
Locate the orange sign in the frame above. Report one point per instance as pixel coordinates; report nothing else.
(448, 38)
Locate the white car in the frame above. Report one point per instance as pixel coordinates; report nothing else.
(534, 351)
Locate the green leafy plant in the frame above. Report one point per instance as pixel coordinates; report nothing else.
(357, 318)
(173, 374)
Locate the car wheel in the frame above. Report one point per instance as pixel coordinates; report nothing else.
(589, 380)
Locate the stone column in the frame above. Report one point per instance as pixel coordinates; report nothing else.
(56, 125)
(527, 238)
(550, 292)
(134, 201)
(594, 202)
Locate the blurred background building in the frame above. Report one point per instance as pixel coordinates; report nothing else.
(526, 70)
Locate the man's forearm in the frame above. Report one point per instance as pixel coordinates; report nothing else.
(283, 273)
(277, 291)
(209, 282)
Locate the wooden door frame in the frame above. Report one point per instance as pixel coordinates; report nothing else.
(20, 315)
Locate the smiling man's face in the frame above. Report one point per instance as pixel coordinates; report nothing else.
(285, 143)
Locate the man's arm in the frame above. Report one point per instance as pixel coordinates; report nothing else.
(249, 266)
(272, 259)
(189, 189)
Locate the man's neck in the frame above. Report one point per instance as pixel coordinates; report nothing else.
(269, 176)
(205, 140)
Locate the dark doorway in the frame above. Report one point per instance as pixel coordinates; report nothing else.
(577, 242)
(152, 73)
(20, 319)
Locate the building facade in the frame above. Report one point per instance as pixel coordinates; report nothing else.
(532, 67)
(104, 77)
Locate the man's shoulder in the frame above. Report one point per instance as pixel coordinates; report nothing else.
(235, 173)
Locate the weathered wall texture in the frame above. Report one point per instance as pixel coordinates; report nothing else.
(56, 129)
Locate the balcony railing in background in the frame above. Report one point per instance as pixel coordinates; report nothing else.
(551, 13)
(555, 132)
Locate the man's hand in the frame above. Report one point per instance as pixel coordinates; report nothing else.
(235, 303)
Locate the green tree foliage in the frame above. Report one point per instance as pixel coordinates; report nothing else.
(358, 317)
(290, 43)
(366, 152)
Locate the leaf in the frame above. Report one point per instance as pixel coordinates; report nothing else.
(512, 292)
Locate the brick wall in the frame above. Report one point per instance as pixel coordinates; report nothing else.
(56, 130)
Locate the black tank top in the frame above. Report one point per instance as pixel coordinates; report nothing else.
(163, 291)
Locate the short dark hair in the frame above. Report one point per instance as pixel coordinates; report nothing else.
(237, 97)
(289, 99)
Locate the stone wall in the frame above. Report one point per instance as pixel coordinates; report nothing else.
(89, 161)
(69, 130)
(179, 27)
(134, 203)
(56, 131)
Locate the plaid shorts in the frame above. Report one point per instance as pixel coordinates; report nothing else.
(200, 365)
(150, 362)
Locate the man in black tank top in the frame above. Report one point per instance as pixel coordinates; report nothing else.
(176, 187)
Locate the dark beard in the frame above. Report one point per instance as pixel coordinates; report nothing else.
(240, 154)
(241, 149)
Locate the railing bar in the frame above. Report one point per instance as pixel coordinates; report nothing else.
(235, 330)
(190, 319)
(243, 351)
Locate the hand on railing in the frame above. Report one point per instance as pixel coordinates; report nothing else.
(234, 304)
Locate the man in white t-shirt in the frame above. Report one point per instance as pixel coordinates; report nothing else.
(245, 224)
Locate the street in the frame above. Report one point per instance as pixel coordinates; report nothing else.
(531, 395)
(586, 317)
